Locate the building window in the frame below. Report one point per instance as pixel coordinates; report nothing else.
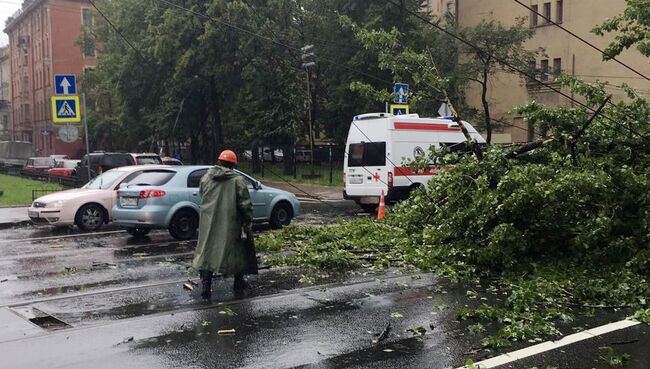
(532, 70)
(533, 16)
(87, 17)
(88, 40)
(559, 11)
(25, 56)
(543, 67)
(26, 112)
(547, 13)
(25, 84)
(557, 67)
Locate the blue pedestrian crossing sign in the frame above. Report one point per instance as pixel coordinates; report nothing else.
(399, 109)
(65, 84)
(65, 109)
(400, 93)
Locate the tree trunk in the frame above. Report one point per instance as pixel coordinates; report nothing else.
(287, 156)
(255, 157)
(486, 108)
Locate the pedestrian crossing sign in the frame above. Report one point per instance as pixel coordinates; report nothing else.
(65, 109)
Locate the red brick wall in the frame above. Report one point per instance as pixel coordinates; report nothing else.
(53, 27)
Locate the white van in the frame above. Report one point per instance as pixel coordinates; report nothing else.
(379, 146)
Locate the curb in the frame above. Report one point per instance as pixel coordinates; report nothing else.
(15, 224)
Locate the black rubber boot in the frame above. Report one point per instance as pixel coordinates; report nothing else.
(206, 284)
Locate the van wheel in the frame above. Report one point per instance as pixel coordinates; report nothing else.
(281, 215)
(90, 217)
(183, 225)
(368, 208)
(138, 232)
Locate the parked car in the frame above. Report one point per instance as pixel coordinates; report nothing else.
(303, 156)
(266, 154)
(88, 207)
(37, 167)
(169, 198)
(58, 157)
(146, 159)
(168, 160)
(100, 162)
(64, 168)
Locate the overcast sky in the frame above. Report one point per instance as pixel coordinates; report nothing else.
(7, 9)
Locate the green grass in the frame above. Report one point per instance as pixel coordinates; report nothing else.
(274, 173)
(18, 191)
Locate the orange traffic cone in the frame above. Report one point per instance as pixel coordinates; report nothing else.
(382, 207)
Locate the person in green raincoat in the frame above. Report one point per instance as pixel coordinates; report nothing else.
(225, 241)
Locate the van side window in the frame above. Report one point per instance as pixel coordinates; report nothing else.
(369, 154)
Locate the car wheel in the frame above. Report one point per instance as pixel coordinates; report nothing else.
(183, 224)
(138, 232)
(281, 215)
(369, 208)
(90, 217)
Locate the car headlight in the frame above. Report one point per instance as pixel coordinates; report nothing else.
(56, 204)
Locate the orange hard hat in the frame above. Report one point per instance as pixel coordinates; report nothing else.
(229, 156)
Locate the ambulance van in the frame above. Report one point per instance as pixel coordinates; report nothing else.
(380, 145)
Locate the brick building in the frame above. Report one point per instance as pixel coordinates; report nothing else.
(43, 42)
(5, 95)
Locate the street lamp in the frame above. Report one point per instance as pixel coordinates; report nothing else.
(308, 65)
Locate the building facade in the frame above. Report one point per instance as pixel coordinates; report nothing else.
(561, 53)
(43, 42)
(5, 95)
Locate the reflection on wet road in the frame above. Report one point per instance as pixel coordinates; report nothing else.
(107, 300)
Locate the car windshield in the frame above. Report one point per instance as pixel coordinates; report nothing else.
(143, 160)
(103, 181)
(69, 164)
(43, 162)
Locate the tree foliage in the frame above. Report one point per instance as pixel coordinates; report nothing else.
(632, 27)
(565, 224)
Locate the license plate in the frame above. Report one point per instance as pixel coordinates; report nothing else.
(32, 214)
(129, 201)
(356, 180)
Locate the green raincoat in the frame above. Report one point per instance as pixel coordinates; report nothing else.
(225, 208)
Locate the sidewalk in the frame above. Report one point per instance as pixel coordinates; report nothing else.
(11, 216)
(309, 190)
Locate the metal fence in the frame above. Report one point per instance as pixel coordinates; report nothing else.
(325, 168)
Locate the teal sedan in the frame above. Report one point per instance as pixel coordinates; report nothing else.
(168, 198)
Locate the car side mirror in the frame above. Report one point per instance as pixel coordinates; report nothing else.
(257, 185)
(122, 186)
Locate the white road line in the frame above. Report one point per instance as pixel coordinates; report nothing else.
(552, 345)
(62, 236)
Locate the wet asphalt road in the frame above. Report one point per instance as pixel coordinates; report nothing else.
(107, 300)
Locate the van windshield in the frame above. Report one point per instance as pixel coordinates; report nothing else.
(367, 154)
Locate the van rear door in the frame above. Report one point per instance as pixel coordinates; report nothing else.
(367, 171)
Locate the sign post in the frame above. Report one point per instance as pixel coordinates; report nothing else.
(83, 98)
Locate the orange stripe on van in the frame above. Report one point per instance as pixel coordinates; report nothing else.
(425, 126)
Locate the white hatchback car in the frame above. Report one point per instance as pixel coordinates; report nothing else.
(88, 207)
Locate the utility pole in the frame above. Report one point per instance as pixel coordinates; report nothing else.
(308, 65)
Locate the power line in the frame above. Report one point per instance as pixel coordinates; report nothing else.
(513, 67)
(581, 39)
(118, 32)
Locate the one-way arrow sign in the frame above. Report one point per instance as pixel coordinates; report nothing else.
(65, 84)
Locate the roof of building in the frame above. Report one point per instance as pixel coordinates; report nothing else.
(28, 6)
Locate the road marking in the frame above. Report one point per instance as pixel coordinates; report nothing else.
(552, 345)
(62, 236)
